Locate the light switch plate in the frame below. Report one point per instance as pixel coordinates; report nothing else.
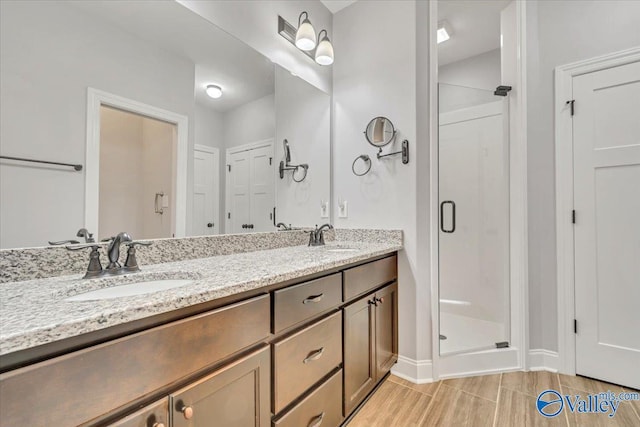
(324, 209)
(343, 210)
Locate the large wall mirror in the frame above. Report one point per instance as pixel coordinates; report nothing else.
(177, 126)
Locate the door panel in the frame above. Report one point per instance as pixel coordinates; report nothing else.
(205, 196)
(386, 329)
(235, 396)
(359, 364)
(262, 188)
(239, 199)
(607, 231)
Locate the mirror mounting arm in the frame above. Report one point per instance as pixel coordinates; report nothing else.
(404, 152)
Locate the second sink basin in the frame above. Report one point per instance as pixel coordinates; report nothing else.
(130, 289)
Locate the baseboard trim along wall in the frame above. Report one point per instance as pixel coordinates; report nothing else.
(421, 371)
(416, 371)
(543, 360)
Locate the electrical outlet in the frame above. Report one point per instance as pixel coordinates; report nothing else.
(343, 211)
(324, 209)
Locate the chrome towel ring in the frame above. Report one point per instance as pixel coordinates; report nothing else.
(366, 159)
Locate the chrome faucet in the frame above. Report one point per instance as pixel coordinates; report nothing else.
(88, 237)
(316, 237)
(113, 251)
(284, 226)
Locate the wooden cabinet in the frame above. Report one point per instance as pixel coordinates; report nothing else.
(304, 358)
(153, 415)
(235, 396)
(322, 407)
(370, 343)
(298, 303)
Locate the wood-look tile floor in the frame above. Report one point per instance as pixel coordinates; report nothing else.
(502, 400)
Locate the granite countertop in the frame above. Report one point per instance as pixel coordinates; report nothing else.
(34, 312)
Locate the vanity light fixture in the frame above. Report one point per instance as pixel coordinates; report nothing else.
(324, 52)
(306, 35)
(444, 32)
(304, 38)
(214, 91)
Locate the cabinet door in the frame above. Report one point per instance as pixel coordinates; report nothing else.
(235, 396)
(153, 415)
(386, 326)
(359, 362)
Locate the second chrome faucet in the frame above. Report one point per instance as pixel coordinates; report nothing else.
(316, 237)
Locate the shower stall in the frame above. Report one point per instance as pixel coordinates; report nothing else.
(473, 220)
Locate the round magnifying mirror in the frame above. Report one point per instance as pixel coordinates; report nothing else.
(380, 132)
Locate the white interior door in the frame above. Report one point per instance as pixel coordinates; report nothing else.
(606, 147)
(239, 174)
(205, 191)
(262, 188)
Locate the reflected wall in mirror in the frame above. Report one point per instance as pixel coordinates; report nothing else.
(380, 132)
(473, 180)
(161, 158)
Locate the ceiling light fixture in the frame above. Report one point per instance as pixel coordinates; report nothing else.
(306, 35)
(214, 91)
(444, 32)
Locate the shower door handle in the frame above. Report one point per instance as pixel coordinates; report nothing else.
(453, 217)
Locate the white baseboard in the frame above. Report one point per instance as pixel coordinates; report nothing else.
(543, 360)
(416, 371)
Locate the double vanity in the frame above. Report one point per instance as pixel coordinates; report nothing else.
(286, 336)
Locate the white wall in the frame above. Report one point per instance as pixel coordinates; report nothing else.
(367, 84)
(303, 118)
(480, 71)
(559, 32)
(251, 122)
(45, 70)
(256, 23)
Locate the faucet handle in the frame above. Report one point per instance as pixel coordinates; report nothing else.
(95, 267)
(131, 264)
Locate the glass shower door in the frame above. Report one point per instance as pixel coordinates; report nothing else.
(473, 220)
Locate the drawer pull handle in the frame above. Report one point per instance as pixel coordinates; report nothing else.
(187, 411)
(316, 421)
(315, 356)
(315, 298)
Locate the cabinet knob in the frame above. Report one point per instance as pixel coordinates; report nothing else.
(158, 425)
(187, 411)
(317, 420)
(380, 300)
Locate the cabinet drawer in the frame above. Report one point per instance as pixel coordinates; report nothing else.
(107, 376)
(302, 359)
(297, 303)
(322, 407)
(361, 279)
(155, 414)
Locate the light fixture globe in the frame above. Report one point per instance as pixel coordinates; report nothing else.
(324, 52)
(306, 34)
(214, 91)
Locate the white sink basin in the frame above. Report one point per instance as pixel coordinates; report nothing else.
(130, 289)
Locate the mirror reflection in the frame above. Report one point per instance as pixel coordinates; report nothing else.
(177, 127)
(380, 132)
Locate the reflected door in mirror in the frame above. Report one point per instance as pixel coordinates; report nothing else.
(205, 191)
(250, 186)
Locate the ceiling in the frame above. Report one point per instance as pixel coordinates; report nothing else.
(337, 5)
(475, 25)
(243, 73)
